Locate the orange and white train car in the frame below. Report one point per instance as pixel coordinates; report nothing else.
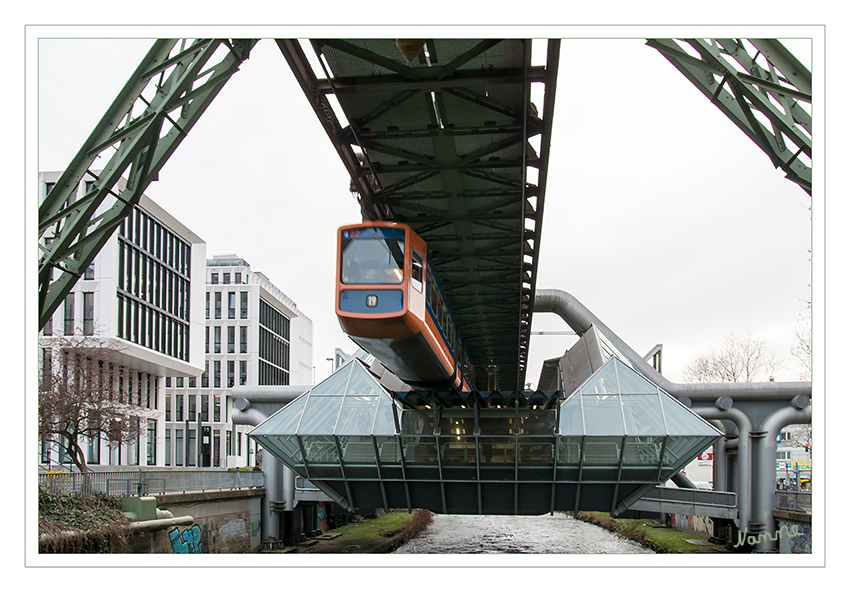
(390, 302)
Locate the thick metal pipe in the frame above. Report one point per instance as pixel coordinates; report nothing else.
(681, 480)
(580, 319)
(765, 470)
(744, 428)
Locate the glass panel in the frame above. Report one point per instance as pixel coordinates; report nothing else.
(632, 382)
(536, 459)
(643, 415)
(569, 450)
(358, 454)
(417, 422)
(284, 421)
(372, 260)
(683, 421)
(602, 415)
(361, 382)
(335, 383)
(457, 422)
(643, 451)
(604, 381)
(497, 450)
(537, 421)
(457, 450)
(384, 422)
(320, 450)
(357, 415)
(420, 457)
(320, 415)
(388, 450)
(602, 451)
(571, 417)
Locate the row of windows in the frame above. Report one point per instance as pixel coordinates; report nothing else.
(191, 407)
(115, 451)
(272, 375)
(225, 278)
(150, 280)
(444, 320)
(273, 349)
(69, 318)
(231, 374)
(186, 452)
(273, 320)
(123, 384)
(151, 328)
(147, 233)
(231, 305)
(231, 339)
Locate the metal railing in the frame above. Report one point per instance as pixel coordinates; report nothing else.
(800, 501)
(142, 482)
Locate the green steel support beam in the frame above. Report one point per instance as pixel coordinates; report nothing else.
(751, 95)
(160, 103)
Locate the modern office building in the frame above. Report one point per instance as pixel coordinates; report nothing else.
(143, 293)
(255, 336)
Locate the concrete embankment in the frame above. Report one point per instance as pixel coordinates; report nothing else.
(659, 539)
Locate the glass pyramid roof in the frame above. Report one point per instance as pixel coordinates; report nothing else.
(349, 402)
(617, 401)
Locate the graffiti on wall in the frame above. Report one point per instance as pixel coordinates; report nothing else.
(801, 535)
(187, 540)
(695, 524)
(235, 529)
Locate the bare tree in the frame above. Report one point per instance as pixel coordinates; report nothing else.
(84, 392)
(742, 357)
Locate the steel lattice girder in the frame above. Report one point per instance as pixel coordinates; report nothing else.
(160, 103)
(443, 145)
(774, 94)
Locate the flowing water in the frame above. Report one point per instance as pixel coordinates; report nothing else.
(516, 534)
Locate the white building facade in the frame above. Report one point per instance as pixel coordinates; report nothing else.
(255, 335)
(144, 293)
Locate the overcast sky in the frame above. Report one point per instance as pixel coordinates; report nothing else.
(661, 216)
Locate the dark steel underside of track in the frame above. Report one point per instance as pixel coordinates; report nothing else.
(443, 145)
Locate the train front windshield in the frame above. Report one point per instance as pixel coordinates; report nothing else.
(372, 256)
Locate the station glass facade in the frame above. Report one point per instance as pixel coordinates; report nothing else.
(607, 443)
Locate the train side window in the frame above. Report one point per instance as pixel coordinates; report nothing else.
(416, 271)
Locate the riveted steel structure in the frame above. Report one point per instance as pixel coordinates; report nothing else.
(760, 86)
(165, 96)
(442, 143)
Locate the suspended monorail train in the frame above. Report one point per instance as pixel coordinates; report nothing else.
(389, 300)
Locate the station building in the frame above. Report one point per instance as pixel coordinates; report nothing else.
(254, 335)
(143, 293)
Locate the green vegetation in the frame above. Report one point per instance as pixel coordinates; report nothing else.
(659, 539)
(381, 534)
(80, 523)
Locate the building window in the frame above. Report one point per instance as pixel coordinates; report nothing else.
(167, 408)
(193, 403)
(205, 404)
(205, 377)
(217, 374)
(243, 340)
(217, 346)
(226, 278)
(193, 382)
(89, 273)
(243, 372)
(216, 449)
(178, 448)
(214, 278)
(244, 308)
(151, 442)
(217, 408)
(179, 382)
(208, 305)
(93, 451)
(231, 339)
(88, 313)
(178, 412)
(230, 371)
(167, 447)
(69, 314)
(48, 327)
(238, 278)
(231, 305)
(207, 339)
(218, 305)
(190, 456)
